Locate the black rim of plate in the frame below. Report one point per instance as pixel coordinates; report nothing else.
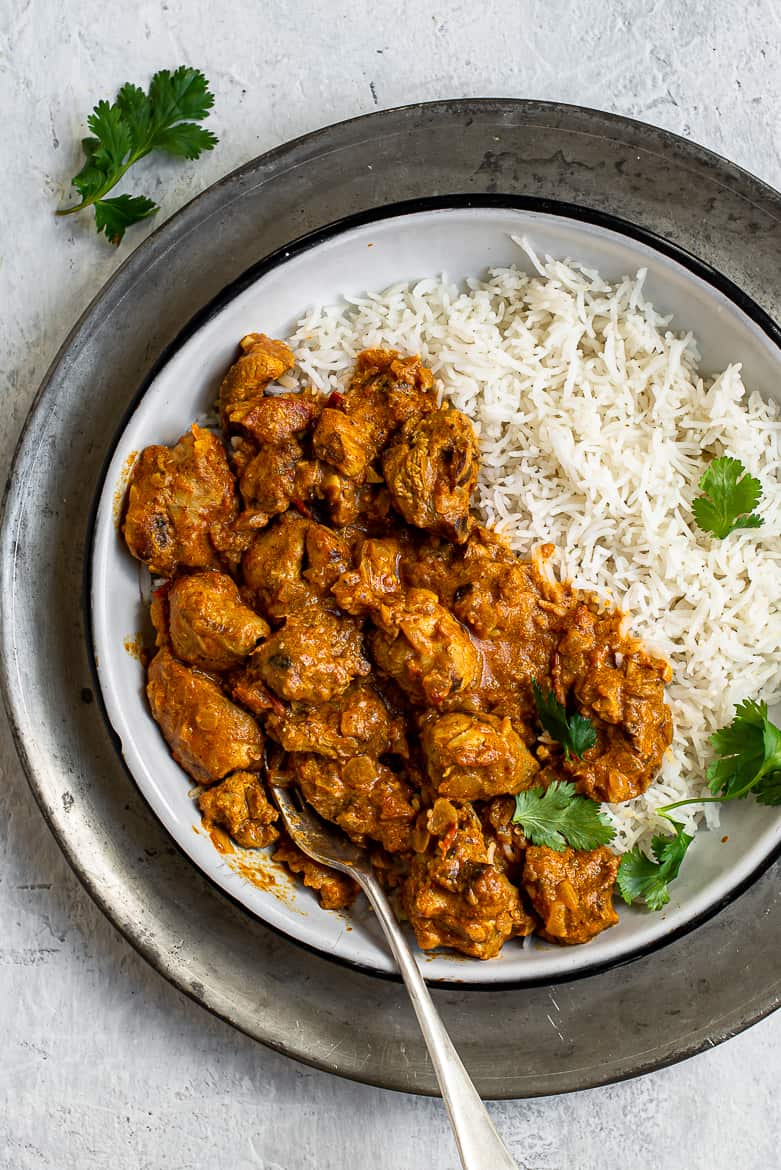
(254, 273)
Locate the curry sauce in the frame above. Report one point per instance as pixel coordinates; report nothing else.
(334, 609)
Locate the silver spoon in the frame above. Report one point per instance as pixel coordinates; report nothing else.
(479, 1145)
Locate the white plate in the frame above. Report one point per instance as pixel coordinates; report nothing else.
(461, 242)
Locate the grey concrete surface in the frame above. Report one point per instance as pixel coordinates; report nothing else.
(103, 1063)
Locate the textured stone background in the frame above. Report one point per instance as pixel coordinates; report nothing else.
(102, 1062)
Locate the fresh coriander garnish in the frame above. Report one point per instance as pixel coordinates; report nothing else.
(134, 125)
(557, 816)
(731, 495)
(575, 733)
(749, 752)
(749, 761)
(641, 878)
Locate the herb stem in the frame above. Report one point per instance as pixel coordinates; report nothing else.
(663, 809)
(104, 190)
(744, 791)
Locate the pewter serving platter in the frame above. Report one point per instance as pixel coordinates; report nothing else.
(570, 179)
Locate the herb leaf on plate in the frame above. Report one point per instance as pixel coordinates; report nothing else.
(729, 499)
(641, 878)
(575, 733)
(749, 751)
(557, 816)
(749, 760)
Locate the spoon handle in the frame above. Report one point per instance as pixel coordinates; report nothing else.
(479, 1145)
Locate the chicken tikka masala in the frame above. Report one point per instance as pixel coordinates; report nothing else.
(332, 610)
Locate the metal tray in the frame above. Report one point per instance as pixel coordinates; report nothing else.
(702, 987)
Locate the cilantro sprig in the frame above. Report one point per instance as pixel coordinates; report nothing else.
(557, 816)
(575, 733)
(640, 878)
(729, 499)
(135, 124)
(748, 762)
(748, 759)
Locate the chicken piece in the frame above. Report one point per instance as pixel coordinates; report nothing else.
(515, 626)
(327, 557)
(209, 736)
(424, 648)
(158, 613)
(249, 689)
(273, 419)
(268, 481)
(239, 805)
(179, 500)
(233, 541)
(375, 583)
(339, 495)
(313, 658)
(499, 600)
(386, 390)
(431, 472)
(262, 360)
(293, 564)
(614, 771)
(361, 795)
(417, 641)
(620, 686)
(273, 564)
(454, 896)
(209, 625)
(340, 441)
(509, 839)
(335, 890)
(356, 723)
(268, 469)
(449, 570)
(267, 450)
(572, 891)
(460, 853)
(474, 757)
(484, 585)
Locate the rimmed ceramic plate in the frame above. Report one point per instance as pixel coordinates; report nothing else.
(351, 260)
(705, 985)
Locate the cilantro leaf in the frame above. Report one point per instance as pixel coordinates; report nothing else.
(180, 95)
(730, 497)
(186, 140)
(113, 216)
(112, 137)
(575, 733)
(640, 878)
(134, 125)
(136, 112)
(750, 754)
(768, 791)
(90, 180)
(557, 816)
(749, 760)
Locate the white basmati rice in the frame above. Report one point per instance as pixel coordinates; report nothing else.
(595, 427)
